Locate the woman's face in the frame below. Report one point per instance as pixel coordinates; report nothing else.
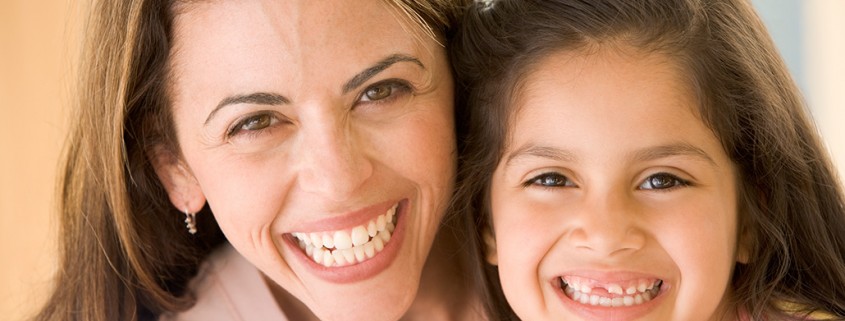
(613, 200)
(321, 135)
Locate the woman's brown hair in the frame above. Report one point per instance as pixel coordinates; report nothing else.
(792, 212)
(125, 253)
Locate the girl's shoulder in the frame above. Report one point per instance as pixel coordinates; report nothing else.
(793, 312)
(800, 312)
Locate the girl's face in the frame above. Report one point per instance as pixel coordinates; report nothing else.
(613, 200)
(321, 135)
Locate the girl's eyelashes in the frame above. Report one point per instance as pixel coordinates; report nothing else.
(253, 124)
(385, 91)
(550, 179)
(662, 181)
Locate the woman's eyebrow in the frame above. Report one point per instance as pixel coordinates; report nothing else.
(378, 67)
(258, 98)
(265, 98)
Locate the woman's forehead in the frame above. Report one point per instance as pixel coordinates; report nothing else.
(278, 42)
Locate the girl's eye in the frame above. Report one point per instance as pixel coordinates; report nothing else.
(550, 180)
(662, 181)
(253, 123)
(384, 91)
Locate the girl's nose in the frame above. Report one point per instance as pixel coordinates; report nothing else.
(608, 225)
(332, 158)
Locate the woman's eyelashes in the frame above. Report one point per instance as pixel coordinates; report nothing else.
(550, 180)
(385, 91)
(662, 181)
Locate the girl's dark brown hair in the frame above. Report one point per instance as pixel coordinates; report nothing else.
(124, 251)
(792, 212)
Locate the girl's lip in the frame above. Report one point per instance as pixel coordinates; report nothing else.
(360, 271)
(609, 279)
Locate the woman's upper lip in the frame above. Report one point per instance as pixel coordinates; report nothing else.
(340, 221)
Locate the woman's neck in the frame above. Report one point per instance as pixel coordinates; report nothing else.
(446, 291)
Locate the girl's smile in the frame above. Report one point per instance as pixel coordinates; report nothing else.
(605, 296)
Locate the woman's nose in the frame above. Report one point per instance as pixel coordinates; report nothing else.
(333, 158)
(608, 225)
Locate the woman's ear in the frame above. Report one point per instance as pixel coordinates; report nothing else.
(490, 254)
(182, 187)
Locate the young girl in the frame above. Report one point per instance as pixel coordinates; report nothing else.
(645, 160)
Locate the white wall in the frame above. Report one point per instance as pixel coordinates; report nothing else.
(824, 61)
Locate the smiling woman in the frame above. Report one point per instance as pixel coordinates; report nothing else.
(308, 146)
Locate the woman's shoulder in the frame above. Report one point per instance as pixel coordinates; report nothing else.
(228, 287)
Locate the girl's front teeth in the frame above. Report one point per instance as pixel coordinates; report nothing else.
(632, 293)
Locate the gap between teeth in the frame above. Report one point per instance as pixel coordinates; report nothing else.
(638, 293)
(352, 246)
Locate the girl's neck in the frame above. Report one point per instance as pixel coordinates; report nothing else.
(446, 292)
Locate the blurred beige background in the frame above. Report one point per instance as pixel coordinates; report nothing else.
(38, 46)
(38, 43)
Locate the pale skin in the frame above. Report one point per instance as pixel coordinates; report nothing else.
(610, 179)
(309, 117)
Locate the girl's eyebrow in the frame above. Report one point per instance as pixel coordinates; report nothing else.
(673, 149)
(532, 150)
(642, 155)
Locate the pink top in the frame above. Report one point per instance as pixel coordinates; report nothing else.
(229, 288)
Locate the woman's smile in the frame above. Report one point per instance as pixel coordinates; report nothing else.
(356, 253)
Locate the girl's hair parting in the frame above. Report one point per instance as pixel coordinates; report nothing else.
(791, 207)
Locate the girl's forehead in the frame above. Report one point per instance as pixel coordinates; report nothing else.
(604, 72)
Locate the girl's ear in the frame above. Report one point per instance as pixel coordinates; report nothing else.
(743, 253)
(743, 247)
(490, 254)
(182, 187)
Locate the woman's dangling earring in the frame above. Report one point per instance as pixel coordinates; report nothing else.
(191, 222)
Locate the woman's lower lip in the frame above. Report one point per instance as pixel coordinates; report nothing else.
(599, 312)
(360, 271)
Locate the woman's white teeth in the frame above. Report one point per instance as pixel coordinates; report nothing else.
(359, 236)
(636, 292)
(371, 229)
(342, 240)
(346, 247)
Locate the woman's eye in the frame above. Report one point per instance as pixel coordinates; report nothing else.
(550, 180)
(662, 181)
(384, 91)
(253, 123)
(378, 92)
